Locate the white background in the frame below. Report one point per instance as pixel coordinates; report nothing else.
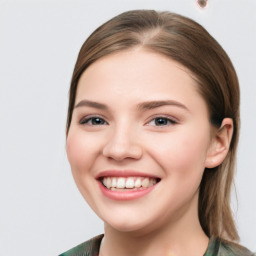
(41, 211)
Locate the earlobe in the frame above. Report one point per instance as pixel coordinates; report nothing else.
(220, 144)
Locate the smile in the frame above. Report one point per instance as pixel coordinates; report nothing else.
(123, 185)
(128, 183)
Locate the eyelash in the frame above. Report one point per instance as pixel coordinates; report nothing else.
(89, 121)
(167, 121)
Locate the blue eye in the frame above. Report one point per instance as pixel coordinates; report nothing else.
(161, 121)
(93, 121)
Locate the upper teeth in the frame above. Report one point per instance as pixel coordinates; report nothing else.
(130, 182)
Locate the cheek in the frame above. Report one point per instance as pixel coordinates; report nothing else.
(81, 151)
(182, 154)
(191, 152)
(81, 156)
(74, 150)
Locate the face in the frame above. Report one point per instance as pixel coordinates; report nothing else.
(139, 139)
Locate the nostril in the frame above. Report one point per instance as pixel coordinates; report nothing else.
(120, 151)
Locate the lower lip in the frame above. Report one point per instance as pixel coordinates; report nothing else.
(125, 195)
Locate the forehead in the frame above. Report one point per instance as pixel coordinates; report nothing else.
(137, 74)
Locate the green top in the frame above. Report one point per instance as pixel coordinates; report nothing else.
(216, 247)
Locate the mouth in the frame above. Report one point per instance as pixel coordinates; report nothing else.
(128, 183)
(123, 185)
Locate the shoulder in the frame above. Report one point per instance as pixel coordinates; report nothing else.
(230, 248)
(220, 247)
(88, 248)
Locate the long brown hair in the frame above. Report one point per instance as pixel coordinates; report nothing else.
(188, 43)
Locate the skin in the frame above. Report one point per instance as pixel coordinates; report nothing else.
(165, 221)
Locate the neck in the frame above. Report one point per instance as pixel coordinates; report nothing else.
(175, 238)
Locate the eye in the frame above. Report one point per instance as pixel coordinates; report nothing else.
(93, 121)
(162, 121)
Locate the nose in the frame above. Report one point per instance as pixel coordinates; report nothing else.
(122, 145)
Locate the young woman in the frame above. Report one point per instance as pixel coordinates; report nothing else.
(152, 132)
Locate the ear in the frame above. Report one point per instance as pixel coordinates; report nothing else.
(220, 143)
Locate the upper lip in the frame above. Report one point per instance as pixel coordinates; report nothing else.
(124, 173)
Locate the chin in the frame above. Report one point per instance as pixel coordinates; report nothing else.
(122, 225)
(139, 226)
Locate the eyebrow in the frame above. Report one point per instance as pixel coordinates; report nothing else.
(155, 104)
(93, 104)
(141, 106)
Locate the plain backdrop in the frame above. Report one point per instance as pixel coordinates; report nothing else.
(41, 210)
